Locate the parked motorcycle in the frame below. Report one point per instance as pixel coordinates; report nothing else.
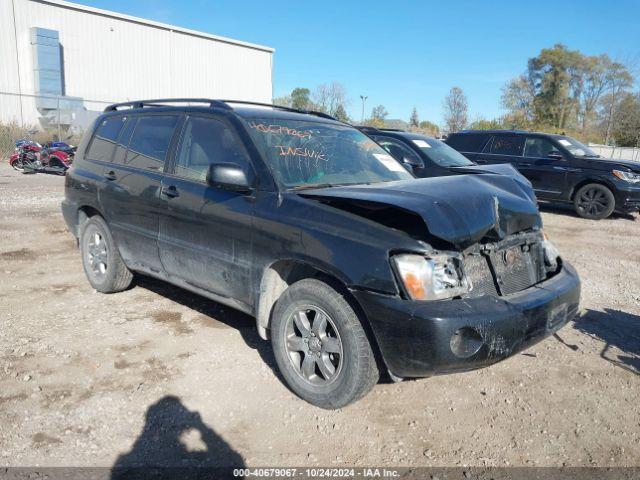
(62, 146)
(31, 157)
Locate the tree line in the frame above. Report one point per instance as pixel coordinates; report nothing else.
(593, 98)
(332, 99)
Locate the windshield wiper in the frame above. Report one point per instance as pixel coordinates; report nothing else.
(326, 185)
(313, 185)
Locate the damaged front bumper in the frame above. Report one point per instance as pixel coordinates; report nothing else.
(419, 339)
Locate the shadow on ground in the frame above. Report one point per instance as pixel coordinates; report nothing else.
(245, 324)
(620, 332)
(176, 443)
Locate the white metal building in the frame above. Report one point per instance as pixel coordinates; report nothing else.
(61, 61)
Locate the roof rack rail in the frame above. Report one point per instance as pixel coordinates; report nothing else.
(158, 103)
(211, 103)
(281, 107)
(392, 130)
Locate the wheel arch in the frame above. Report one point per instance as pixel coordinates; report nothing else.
(587, 181)
(85, 212)
(279, 275)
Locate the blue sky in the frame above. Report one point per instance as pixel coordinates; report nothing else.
(405, 54)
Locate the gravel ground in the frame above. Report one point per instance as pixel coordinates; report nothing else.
(156, 374)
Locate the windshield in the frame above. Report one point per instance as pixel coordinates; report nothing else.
(304, 154)
(576, 148)
(441, 153)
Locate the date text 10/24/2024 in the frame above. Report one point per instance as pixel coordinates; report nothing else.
(316, 472)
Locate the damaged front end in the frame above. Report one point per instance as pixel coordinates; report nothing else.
(482, 283)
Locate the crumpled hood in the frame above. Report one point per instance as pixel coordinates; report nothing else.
(460, 209)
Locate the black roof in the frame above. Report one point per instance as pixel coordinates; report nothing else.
(497, 130)
(393, 132)
(243, 108)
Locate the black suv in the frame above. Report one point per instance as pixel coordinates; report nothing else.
(348, 263)
(426, 157)
(560, 168)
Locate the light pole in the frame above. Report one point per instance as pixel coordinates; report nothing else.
(364, 99)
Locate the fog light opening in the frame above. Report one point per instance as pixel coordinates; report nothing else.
(465, 342)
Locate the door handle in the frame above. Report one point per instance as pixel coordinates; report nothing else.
(171, 191)
(111, 175)
(525, 164)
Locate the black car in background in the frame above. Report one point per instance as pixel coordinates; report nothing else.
(560, 168)
(348, 262)
(426, 156)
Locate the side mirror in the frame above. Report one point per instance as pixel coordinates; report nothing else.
(412, 162)
(555, 156)
(228, 176)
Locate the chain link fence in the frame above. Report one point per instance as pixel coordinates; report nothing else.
(618, 153)
(44, 118)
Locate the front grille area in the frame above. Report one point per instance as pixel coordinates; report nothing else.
(478, 272)
(502, 271)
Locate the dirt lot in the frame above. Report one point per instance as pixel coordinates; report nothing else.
(158, 375)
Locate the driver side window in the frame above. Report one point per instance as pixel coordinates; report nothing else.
(538, 148)
(206, 141)
(399, 151)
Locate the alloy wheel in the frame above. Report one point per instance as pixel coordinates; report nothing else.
(313, 345)
(97, 254)
(593, 202)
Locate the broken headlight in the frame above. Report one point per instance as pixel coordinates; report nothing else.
(551, 253)
(433, 278)
(627, 176)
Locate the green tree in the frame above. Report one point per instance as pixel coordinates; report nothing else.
(626, 130)
(556, 75)
(341, 114)
(484, 124)
(301, 98)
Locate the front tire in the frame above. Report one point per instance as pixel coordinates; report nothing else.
(594, 201)
(18, 165)
(320, 345)
(101, 259)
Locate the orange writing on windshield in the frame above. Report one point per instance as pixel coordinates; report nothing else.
(280, 129)
(300, 152)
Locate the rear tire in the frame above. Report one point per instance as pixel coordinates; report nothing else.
(321, 347)
(594, 201)
(101, 259)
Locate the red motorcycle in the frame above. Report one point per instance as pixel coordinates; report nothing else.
(31, 157)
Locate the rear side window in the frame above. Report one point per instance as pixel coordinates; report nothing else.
(150, 141)
(123, 140)
(467, 142)
(104, 140)
(506, 145)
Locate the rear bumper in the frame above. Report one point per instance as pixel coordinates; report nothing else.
(415, 337)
